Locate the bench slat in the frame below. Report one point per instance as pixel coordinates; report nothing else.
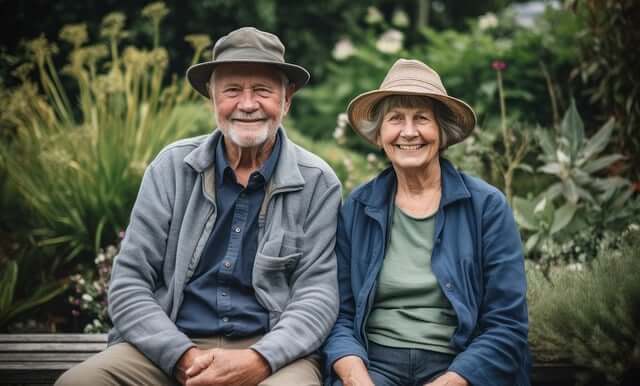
(52, 347)
(71, 338)
(43, 357)
(34, 366)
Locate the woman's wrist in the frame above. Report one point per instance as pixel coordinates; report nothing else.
(345, 366)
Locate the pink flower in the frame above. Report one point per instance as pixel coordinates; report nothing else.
(75, 313)
(499, 65)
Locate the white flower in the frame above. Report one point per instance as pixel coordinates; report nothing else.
(487, 21)
(400, 18)
(101, 257)
(390, 42)
(371, 158)
(373, 15)
(343, 119)
(343, 49)
(87, 298)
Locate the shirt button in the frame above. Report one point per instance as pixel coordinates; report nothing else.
(448, 285)
(236, 229)
(224, 293)
(226, 264)
(225, 319)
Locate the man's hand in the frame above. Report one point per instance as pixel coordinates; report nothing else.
(187, 360)
(352, 371)
(229, 367)
(448, 379)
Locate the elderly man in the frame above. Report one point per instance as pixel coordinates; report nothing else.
(227, 274)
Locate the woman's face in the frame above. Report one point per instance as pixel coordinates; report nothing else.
(410, 137)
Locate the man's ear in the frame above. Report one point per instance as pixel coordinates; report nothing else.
(290, 89)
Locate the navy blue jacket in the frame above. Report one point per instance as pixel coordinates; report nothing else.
(477, 259)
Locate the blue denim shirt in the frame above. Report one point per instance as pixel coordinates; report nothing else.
(477, 259)
(219, 299)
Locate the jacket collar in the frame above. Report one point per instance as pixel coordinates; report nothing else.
(377, 193)
(286, 174)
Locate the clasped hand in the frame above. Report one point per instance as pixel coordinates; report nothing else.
(219, 367)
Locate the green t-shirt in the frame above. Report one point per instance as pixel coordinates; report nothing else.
(410, 310)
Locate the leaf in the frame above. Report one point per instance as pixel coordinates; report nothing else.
(562, 217)
(554, 168)
(8, 284)
(599, 140)
(523, 212)
(570, 191)
(546, 143)
(525, 167)
(572, 128)
(554, 191)
(601, 163)
(531, 242)
(42, 295)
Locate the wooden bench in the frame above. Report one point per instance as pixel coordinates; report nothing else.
(39, 359)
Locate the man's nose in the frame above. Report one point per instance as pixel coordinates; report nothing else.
(248, 101)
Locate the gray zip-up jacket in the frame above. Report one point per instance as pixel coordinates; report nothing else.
(294, 273)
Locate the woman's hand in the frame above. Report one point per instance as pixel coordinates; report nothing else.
(352, 371)
(448, 379)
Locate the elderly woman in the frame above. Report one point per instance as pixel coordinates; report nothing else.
(430, 262)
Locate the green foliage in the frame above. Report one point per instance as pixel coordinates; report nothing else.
(538, 60)
(609, 67)
(575, 160)
(351, 167)
(12, 306)
(581, 203)
(77, 169)
(590, 315)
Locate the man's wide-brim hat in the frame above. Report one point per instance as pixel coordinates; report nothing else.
(408, 77)
(246, 45)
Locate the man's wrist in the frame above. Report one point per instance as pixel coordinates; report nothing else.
(262, 362)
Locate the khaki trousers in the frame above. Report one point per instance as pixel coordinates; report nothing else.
(122, 364)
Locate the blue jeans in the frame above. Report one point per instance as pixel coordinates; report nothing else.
(390, 366)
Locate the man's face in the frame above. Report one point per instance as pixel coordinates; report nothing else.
(250, 102)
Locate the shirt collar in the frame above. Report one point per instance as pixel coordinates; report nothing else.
(266, 170)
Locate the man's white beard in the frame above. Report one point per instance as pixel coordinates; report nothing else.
(259, 137)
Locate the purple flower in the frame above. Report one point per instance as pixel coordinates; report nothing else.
(499, 65)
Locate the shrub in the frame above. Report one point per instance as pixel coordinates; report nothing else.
(589, 314)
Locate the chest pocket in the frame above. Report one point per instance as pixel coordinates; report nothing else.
(273, 266)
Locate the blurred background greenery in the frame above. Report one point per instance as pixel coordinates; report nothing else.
(91, 91)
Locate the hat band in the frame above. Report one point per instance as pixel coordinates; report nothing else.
(412, 83)
(412, 88)
(248, 54)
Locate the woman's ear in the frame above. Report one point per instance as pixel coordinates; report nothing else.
(378, 140)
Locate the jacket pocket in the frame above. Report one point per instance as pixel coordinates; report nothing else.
(273, 267)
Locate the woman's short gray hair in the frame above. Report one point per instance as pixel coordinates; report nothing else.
(450, 131)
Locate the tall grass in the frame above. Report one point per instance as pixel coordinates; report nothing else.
(76, 162)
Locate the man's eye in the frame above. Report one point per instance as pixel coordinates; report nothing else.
(232, 91)
(263, 91)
